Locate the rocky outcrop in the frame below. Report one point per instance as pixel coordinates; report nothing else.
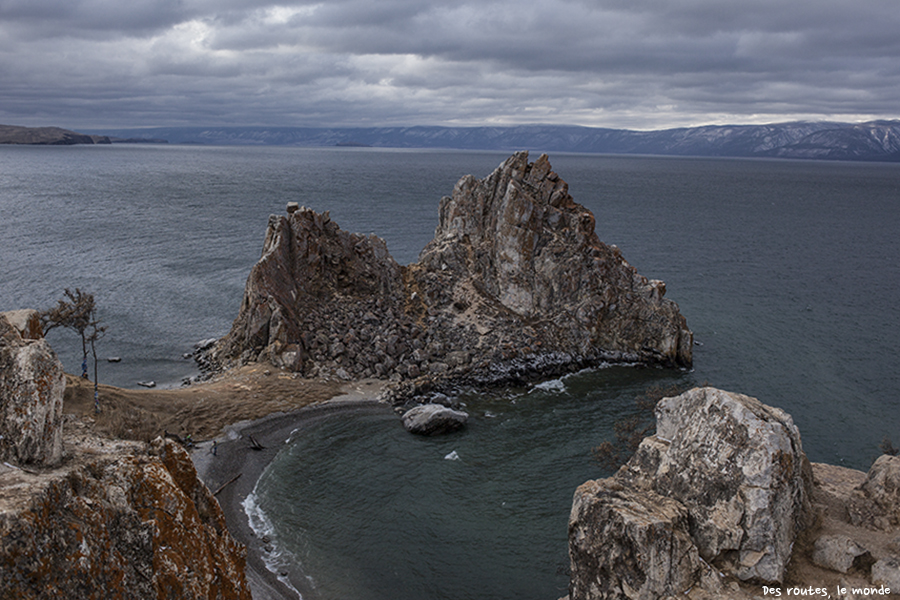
(124, 521)
(514, 284)
(516, 245)
(32, 383)
(877, 504)
(722, 501)
(723, 482)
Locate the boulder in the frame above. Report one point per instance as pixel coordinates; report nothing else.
(886, 572)
(881, 492)
(738, 465)
(27, 322)
(646, 552)
(32, 383)
(839, 553)
(433, 419)
(732, 465)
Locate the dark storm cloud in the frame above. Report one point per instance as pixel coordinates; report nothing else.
(636, 63)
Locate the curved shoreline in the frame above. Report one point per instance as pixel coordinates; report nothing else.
(235, 468)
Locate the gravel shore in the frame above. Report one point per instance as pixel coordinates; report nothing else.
(233, 470)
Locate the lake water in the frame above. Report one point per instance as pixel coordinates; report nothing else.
(788, 273)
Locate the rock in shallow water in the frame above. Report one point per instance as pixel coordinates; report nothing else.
(433, 419)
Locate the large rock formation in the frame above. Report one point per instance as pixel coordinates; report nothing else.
(514, 284)
(722, 501)
(125, 521)
(32, 383)
(723, 482)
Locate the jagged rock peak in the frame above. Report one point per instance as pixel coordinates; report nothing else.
(515, 284)
(519, 237)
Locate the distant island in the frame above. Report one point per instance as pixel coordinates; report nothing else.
(824, 140)
(47, 136)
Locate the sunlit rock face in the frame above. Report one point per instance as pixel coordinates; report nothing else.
(32, 383)
(515, 284)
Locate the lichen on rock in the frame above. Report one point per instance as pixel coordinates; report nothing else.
(724, 471)
(128, 521)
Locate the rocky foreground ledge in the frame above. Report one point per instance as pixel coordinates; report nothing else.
(515, 285)
(82, 516)
(722, 503)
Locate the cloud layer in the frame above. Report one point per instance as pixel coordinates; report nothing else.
(639, 64)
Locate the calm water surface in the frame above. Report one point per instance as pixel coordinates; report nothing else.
(788, 273)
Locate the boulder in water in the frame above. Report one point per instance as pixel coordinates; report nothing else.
(433, 419)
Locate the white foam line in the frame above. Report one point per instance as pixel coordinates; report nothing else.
(262, 527)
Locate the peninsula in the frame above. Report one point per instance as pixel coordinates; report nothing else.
(47, 136)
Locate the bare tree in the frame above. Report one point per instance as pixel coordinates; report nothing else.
(79, 313)
(76, 314)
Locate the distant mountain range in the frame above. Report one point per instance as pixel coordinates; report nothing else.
(873, 141)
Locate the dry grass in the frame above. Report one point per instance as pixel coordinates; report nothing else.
(201, 410)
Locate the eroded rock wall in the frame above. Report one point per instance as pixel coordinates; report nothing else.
(127, 522)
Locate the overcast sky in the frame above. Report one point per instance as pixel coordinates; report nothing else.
(635, 64)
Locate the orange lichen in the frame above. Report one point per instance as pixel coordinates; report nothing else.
(131, 526)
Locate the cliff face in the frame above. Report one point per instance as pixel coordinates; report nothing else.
(32, 383)
(721, 501)
(515, 283)
(518, 238)
(126, 521)
(85, 517)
